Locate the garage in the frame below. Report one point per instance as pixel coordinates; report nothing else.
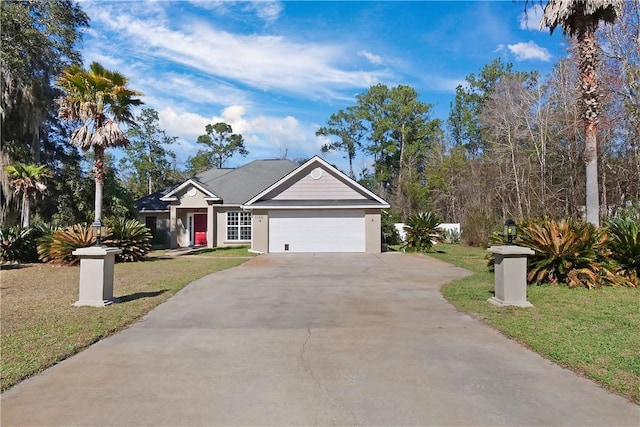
(316, 230)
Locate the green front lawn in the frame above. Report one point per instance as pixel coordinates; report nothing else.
(593, 332)
(229, 251)
(40, 327)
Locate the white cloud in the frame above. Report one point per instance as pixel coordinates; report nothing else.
(267, 10)
(529, 50)
(372, 58)
(265, 136)
(265, 62)
(531, 18)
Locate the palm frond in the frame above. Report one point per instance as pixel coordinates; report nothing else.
(571, 14)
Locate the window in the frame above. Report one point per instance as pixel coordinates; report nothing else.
(238, 225)
(150, 222)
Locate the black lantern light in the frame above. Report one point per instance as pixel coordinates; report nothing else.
(510, 231)
(97, 229)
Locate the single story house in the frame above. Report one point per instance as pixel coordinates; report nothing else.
(273, 205)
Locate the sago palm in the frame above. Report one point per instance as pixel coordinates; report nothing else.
(624, 242)
(99, 101)
(422, 231)
(569, 252)
(28, 180)
(580, 19)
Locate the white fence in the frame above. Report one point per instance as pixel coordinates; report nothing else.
(445, 226)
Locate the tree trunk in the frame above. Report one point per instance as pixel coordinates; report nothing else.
(149, 179)
(400, 188)
(591, 160)
(588, 46)
(351, 174)
(98, 170)
(25, 209)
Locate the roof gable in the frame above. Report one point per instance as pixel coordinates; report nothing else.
(317, 180)
(173, 194)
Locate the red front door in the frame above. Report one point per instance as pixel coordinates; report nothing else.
(200, 229)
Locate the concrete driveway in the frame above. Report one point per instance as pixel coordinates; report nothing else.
(313, 339)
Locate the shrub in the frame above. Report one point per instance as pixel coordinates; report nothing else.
(568, 252)
(44, 241)
(58, 247)
(14, 243)
(389, 230)
(624, 244)
(131, 236)
(422, 231)
(477, 227)
(451, 236)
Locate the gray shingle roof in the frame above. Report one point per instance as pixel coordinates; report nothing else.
(152, 202)
(240, 185)
(233, 186)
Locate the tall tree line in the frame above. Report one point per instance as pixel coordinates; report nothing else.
(38, 41)
(394, 128)
(42, 144)
(518, 141)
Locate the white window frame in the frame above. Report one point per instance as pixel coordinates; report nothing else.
(237, 220)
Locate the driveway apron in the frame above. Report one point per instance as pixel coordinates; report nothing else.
(313, 339)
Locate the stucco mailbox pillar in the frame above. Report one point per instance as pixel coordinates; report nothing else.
(510, 275)
(96, 275)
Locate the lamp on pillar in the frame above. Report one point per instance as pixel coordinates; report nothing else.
(510, 282)
(97, 229)
(510, 231)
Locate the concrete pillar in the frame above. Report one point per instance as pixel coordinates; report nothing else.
(96, 275)
(510, 275)
(211, 231)
(173, 227)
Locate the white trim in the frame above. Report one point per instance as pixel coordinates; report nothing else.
(301, 169)
(190, 229)
(167, 198)
(153, 211)
(297, 207)
(191, 226)
(238, 227)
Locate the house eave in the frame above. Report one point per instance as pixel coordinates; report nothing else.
(315, 204)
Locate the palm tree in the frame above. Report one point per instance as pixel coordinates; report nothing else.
(99, 101)
(28, 180)
(580, 19)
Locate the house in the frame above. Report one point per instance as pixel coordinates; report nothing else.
(273, 205)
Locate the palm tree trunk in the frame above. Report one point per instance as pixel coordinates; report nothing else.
(25, 209)
(588, 46)
(98, 170)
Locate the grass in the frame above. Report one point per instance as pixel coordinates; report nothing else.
(229, 251)
(40, 327)
(592, 332)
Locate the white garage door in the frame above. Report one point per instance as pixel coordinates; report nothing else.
(316, 231)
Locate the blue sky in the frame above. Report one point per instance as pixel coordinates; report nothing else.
(276, 71)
